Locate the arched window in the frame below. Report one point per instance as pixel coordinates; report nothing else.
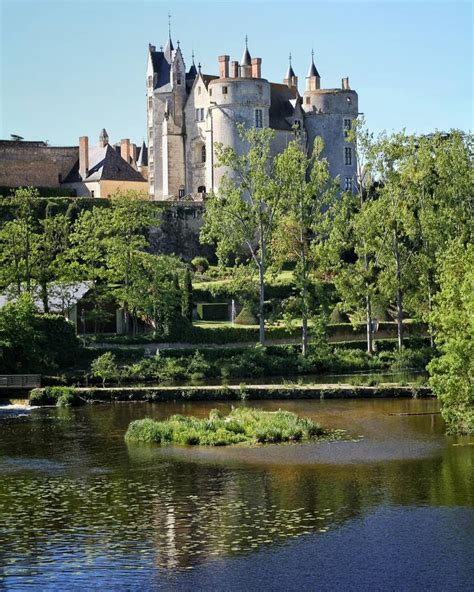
(203, 153)
(202, 189)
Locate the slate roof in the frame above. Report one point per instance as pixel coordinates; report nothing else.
(313, 71)
(60, 297)
(142, 159)
(282, 101)
(246, 59)
(105, 164)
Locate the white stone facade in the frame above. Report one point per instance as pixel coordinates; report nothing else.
(189, 112)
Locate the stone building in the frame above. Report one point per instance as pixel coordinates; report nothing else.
(91, 171)
(188, 112)
(102, 169)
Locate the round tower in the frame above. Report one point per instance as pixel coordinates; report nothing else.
(235, 99)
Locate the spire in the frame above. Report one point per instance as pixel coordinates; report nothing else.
(312, 69)
(290, 73)
(192, 70)
(169, 44)
(143, 156)
(103, 138)
(246, 59)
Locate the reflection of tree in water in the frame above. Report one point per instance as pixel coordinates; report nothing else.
(90, 501)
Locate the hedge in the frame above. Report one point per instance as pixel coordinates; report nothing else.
(213, 311)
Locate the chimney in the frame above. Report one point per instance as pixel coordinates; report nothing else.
(234, 69)
(224, 66)
(256, 67)
(345, 84)
(83, 156)
(125, 150)
(133, 155)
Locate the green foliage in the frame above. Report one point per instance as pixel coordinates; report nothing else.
(105, 367)
(61, 396)
(452, 373)
(200, 264)
(245, 317)
(187, 297)
(30, 342)
(242, 425)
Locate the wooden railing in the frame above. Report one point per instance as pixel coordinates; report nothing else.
(19, 381)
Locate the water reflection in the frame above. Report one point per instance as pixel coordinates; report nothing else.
(75, 498)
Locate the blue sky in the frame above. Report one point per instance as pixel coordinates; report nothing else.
(69, 68)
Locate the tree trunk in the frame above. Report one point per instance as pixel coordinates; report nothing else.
(261, 279)
(44, 296)
(430, 309)
(368, 308)
(398, 273)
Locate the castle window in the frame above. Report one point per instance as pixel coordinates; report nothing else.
(203, 153)
(150, 102)
(308, 100)
(224, 90)
(181, 191)
(348, 156)
(200, 114)
(210, 92)
(150, 81)
(347, 126)
(348, 184)
(92, 193)
(178, 80)
(199, 90)
(201, 189)
(258, 118)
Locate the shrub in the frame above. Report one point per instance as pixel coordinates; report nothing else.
(105, 367)
(246, 317)
(61, 396)
(216, 311)
(200, 264)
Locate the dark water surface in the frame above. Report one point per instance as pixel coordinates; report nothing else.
(390, 509)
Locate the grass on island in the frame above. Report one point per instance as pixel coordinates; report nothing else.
(242, 425)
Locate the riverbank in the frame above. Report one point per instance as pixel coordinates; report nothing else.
(241, 392)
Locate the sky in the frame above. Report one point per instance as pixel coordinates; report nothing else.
(70, 68)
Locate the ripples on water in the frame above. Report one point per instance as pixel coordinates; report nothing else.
(78, 506)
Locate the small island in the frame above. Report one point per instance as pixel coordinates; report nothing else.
(243, 425)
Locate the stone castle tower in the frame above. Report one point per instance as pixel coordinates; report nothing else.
(188, 112)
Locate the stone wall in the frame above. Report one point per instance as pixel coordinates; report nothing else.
(178, 233)
(34, 164)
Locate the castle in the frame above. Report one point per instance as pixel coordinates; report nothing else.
(188, 112)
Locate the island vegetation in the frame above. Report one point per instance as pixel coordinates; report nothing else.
(241, 425)
(379, 277)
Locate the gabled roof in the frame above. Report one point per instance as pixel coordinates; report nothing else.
(282, 101)
(206, 78)
(105, 164)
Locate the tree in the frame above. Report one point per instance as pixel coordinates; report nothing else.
(18, 243)
(305, 184)
(18, 338)
(154, 293)
(105, 367)
(107, 244)
(187, 296)
(242, 215)
(452, 374)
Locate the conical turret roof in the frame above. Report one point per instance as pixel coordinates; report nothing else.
(246, 58)
(312, 69)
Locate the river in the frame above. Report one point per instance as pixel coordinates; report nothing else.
(389, 508)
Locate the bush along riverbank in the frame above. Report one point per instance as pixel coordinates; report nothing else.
(222, 363)
(243, 425)
(156, 394)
